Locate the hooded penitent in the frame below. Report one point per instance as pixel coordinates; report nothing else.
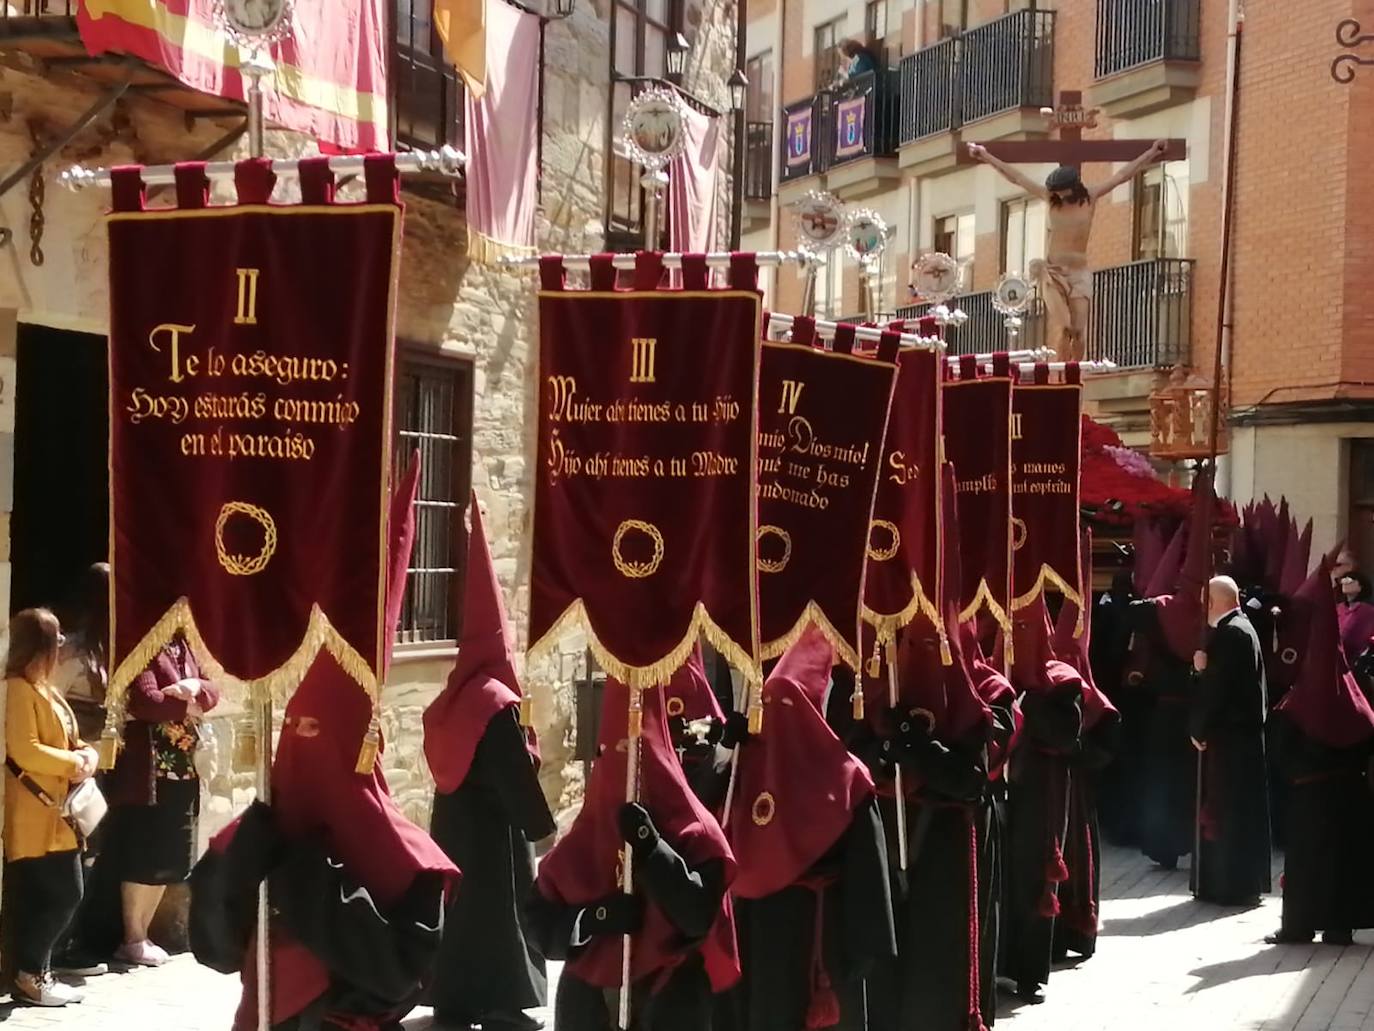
(1325, 702)
(690, 696)
(318, 795)
(1356, 621)
(1071, 642)
(797, 786)
(483, 681)
(582, 867)
(1181, 614)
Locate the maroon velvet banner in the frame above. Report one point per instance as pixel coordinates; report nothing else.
(1045, 427)
(645, 509)
(903, 545)
(250, 388)
(822, 417)
(977, 436)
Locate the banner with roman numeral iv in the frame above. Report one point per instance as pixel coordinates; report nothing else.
(644, 504)
(1046, 425)
(822, 417)
(250, 391)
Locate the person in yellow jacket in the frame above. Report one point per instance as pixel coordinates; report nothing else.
(43, 856)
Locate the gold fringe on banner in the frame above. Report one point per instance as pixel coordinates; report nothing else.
(277, 686)
(487, 250)
(659, 673)
(1049, 577)
(984, 597)
(813, 616)
(886, 626)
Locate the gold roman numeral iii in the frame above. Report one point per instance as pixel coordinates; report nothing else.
(248, 297)
(791, 394)
(642, 359)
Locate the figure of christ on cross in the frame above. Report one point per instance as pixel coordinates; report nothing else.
(1064, 279)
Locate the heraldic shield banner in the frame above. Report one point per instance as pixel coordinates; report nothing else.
(822, 417)
(645, 508)
(250, 386)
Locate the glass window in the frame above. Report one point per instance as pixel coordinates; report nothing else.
(875, 20)
(1160, 213)
(434, 416)
(826, 41)
(1023, 233)
(954, 235)
(758, 103)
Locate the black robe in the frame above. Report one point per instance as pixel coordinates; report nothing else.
(1327, 884)
(1037, 818)
(953, 834)
(1168, 768)
(1228, 714)
(377, 962)
(690, 898)
(1120, 783)
(1080, 897)
(488, 971)
(777, 937)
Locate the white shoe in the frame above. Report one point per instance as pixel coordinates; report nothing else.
(31, 990)
(141, 954)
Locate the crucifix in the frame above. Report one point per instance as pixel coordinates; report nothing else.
(1063, 276)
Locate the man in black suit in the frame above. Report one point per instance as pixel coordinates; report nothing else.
(1227, 726)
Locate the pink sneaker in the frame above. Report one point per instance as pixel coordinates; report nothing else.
(141, 954)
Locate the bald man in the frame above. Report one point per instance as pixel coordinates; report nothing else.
(1227, 726)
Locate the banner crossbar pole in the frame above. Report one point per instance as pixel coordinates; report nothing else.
(826, 331)
(1027, 368)
(447, 161)
(671, 260)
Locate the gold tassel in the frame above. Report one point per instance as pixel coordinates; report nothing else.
(1079, 626)
(246, 746)
(946, 655)
(875, 661)
(858, 702)
(526, 711)
(755, 718)
(372, 743)
(109, 748)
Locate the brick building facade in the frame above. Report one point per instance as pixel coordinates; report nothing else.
(1301, 359)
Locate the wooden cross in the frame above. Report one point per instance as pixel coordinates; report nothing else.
(1070, 118)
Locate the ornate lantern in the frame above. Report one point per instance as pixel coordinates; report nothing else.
(1181, 418)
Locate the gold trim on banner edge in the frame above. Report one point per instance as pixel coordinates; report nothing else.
(982, 597)
(1047, 574)
(886, 625)
(811, 616)
(320, 635)
(659, 672)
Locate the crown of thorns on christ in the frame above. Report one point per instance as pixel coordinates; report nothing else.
(245, 565)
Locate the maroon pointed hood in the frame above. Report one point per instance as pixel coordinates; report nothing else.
(1147, 540)
(1294, 559)
(690, 696)
(1325, 702)
(583, 867)
(1182, 614)
(400, 527)
(1032, 651)
(1276, 544)
(946, 691)
(482, 682)
(1162, 578)
(1357, 628)
(797, 785)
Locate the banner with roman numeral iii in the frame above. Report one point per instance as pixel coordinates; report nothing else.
(250, 391)
(645, 512)
(822, 418)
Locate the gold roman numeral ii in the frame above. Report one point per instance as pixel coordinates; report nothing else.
(248, 297)
(791, 394)
(642, 359)
(1016, 426)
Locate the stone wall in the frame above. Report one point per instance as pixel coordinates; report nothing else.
(446, 303)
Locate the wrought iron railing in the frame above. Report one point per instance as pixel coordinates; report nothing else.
(1003, 65)
(1142, 313)
(1135, 32)
(986, 327)
(929, 86)
(758, 160)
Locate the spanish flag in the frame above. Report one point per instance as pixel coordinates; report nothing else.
(330, 79)
(462, 25)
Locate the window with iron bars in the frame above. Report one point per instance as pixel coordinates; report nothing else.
(427, 94)
(434, 402)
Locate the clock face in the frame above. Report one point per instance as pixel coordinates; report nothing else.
(254, 16)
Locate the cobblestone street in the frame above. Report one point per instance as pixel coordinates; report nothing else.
(1164, 962)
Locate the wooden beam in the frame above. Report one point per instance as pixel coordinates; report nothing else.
(1072, 152)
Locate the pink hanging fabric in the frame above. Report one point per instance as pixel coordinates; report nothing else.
(692, 195)
(502, 139)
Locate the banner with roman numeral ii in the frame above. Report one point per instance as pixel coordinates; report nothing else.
(644, 504)
(250, 392)
(822, 418)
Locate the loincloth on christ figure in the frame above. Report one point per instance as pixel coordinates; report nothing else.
(1069, 282)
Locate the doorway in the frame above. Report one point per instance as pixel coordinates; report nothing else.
(60, 523)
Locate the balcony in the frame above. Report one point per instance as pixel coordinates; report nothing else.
(1146, 55)
(427, 94)
(1142, 313)
(999, 75)
(986, 328)
(853, 125)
